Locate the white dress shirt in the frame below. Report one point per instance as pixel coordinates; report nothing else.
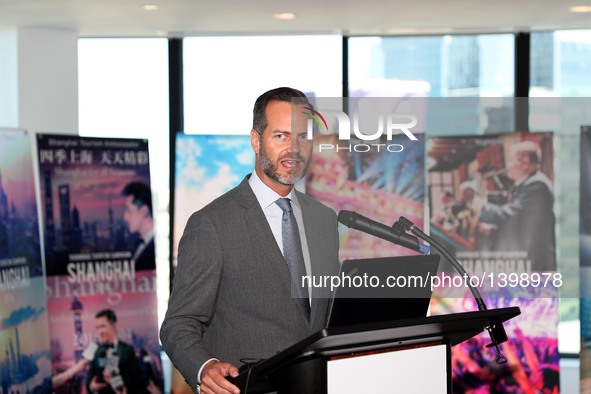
(266, 198)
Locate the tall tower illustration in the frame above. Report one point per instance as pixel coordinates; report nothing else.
(76, 307)
(111, 227)
(19, 360)
(3, 200)
(13, 362)
(65, 220)
(49, 221)
(76, 230)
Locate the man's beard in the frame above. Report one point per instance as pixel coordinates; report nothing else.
(270, 168)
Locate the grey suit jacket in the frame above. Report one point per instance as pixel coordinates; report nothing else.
(526, 222)
(231, 296)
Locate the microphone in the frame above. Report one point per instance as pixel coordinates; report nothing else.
(113, 368)
(101, 356)
(361, 223)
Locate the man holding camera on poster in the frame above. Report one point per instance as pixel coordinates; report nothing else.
(525, 222)
(114, 367)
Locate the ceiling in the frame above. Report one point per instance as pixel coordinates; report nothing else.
(178, 18)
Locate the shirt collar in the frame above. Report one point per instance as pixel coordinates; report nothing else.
(113, 345)
(148, 237)
(265, 195)
(523, 179)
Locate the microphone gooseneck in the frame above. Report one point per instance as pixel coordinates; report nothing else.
(496, 331)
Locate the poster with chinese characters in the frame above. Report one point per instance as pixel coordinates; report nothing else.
(99, 246)
(491, 206)
(25, 364)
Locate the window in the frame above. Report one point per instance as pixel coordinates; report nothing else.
(467, 79)
(123, 91)
(223, 76)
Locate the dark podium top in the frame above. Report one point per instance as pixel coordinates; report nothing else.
(450, 329)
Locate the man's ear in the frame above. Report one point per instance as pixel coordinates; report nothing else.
(255, 140)
(145, 210)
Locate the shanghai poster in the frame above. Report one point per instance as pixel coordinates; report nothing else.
(99, 245)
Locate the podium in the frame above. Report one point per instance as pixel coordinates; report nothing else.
(328, 359)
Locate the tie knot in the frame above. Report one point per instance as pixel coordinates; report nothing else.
(284, 204)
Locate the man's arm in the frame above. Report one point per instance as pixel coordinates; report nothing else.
(532, 198)
(193, 298)
(61, 378)
(92, 378)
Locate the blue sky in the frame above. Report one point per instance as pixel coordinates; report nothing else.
(207, 166)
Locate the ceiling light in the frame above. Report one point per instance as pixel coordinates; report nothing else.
(150, 7)
(580, 8)
(284, 16)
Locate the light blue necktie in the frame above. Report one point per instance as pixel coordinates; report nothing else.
(292, 252)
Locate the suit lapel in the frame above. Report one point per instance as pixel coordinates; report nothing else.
(259, 227)
(314, 241)
(257, 224)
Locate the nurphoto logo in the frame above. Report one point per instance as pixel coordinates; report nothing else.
(371, 126)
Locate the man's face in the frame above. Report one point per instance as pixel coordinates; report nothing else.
(467, 195)
(517, 166)
(283, 152)
(133, 215)
(105, 331)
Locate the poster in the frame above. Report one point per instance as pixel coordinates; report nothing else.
(99, 246)
(369, 155)
(381, 186)
(25, 364)
(531, 350)
(491, 206)
(206, 166)
(585, 259)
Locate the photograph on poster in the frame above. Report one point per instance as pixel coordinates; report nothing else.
(100, 261)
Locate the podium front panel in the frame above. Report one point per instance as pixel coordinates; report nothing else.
(418, 370)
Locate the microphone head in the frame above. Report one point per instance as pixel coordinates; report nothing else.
(347, 218)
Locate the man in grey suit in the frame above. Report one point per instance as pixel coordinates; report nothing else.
(526, 221)
(234, 294)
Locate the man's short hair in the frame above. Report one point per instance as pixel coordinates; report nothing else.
(141, 193)
(528, 149)
(468, 185)
(285, 94)
(109, 314)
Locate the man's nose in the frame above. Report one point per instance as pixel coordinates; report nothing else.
(294, 145)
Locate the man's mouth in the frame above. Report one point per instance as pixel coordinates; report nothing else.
(290, 163)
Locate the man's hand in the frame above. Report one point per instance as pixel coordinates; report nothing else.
(477, 204)
(96, 386)
(213, 378)
(153, 389)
